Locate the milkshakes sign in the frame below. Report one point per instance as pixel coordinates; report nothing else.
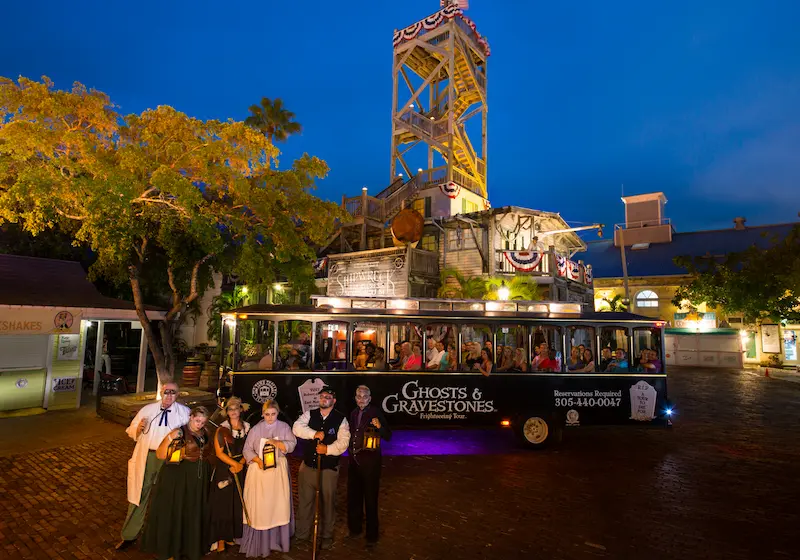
(437, 403)
(39, 321)
(376, 276)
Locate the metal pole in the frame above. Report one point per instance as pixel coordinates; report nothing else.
(316, 502)
(624, 270)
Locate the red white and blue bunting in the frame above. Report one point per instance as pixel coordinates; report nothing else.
(587, 274)
(573, 270)
(561, 264)
(435, 20)
(319, 265)
(450, 189)
(524, 261)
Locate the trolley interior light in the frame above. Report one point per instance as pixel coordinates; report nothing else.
(505, 423)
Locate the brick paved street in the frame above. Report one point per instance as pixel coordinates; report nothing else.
(723, 483)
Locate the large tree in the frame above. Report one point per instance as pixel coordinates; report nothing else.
(757, 283)
(159, 197)
(273, 120)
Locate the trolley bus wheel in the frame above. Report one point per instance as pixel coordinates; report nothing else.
(537, 431)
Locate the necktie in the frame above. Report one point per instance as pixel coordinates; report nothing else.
(163, 420)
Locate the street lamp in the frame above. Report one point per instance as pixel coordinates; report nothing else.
(502, 291)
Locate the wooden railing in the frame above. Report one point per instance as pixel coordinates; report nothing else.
(424, 124)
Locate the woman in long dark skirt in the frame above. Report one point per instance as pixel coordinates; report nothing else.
(176, 523)
(224, 500)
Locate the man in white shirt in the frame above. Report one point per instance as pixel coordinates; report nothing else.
(148, 429)
(331, 432)
(435, 358)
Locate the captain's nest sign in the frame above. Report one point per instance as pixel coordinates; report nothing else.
(377, 276)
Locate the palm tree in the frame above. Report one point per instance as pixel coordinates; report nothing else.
(615, 304)
(520, 287)
(473, 287)
(275, 122)
(225, 301)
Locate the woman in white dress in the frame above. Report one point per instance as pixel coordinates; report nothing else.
(268, 492)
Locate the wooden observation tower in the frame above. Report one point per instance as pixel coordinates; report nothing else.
(439, 98)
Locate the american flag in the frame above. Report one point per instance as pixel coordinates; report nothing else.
(463, 4)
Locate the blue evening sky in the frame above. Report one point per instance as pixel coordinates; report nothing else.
(698, 99)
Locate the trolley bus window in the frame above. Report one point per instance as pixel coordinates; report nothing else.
(294, 345)
(331, 351)
(547, 345)
(405, 339)
(647, 350)
(256, 341)
(613, 350)
(512, 349)
(474, 340)
(227, 336)
(581, 350)
(440, 342)
(369, 341)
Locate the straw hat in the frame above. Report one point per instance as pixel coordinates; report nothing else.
(232, 402)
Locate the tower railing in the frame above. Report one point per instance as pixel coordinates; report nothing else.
(427, 125)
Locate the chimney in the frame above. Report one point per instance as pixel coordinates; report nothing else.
(739, 222)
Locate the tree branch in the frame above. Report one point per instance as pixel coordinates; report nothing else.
(164, 202)
(140, 251)
(70, 216)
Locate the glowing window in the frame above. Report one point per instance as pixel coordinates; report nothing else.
(646, 298)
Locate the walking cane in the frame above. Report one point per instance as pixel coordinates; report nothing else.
(316, 501)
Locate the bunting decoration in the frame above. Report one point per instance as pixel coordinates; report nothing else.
(319, 265)
(561, 263)
(573, 270)
(587, 275)
(435, 20)
(450, 189)
(524, 261)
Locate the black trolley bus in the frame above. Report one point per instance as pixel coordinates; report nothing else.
(425, 361)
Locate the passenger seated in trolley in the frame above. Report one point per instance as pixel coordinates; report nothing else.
(619, 363)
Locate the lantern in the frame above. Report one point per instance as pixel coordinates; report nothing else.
(372, 438)
(268, 456)
(175, 450)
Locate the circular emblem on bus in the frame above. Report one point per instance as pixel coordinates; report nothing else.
(63, 320)
(264, 390)
(572, 417)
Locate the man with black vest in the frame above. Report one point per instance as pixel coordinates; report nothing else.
(330, 427)
(364, 467)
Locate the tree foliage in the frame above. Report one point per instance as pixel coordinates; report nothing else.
(273, 120)
(158, 196)
(455, 285)
(756, 283)
(615, 304)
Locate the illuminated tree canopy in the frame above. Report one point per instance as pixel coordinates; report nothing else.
(157, 195)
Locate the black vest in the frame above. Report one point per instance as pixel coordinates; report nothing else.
(330, 426)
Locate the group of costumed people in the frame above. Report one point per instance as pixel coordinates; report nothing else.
(191, 493)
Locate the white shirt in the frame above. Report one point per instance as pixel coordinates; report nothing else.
(301, 430)
(433, 361)
(154, 434)
(149, 439)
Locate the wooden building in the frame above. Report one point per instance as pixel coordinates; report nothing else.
(440, 83)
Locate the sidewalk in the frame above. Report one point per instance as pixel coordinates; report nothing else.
(62, 428)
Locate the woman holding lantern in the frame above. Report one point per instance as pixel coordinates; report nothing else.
(268, 488)
(175, 525)
(227, 480)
